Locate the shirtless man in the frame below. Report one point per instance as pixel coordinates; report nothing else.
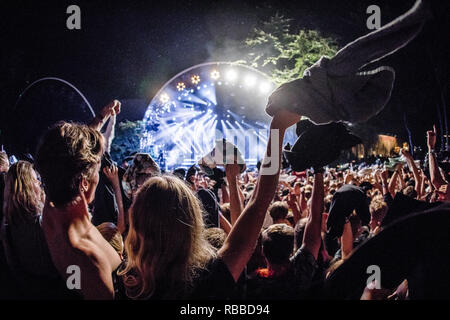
(68, 160)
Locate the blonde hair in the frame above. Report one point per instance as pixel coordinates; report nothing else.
(165, 245)
(111, 233)
(4, 162)
(20, 201)
(378, 208)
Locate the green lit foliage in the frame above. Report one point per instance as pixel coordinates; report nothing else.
(284, 55)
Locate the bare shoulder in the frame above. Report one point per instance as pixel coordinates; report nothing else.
(92, 244)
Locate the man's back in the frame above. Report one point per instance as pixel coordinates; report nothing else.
(74, 241)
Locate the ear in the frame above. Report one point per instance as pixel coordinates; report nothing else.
(84, 185)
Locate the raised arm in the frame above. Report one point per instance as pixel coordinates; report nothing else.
(236, 207)
(312, 236)
(412, 166)
(436, 178)
(224, 223)
(384, 181)
(225, 194)
(378, 182)
(109, 132)
(241, 241)
(393, 183)
(113, 177)
(293, 203)
(100, 119)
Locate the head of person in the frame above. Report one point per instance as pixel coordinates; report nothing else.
(111, 233)
(68, 159)
(308, 191)
(278, 211)
(410, 192)
(4, 162)
(278, 243)
(297, 188)
(142, 168)
(165, 246)
(23, 196)
(327, 203)
(378, 209)
(225, 210)
(216, 237)
(366, 186)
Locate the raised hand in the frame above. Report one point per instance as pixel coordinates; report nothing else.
(117, 106)
(112, 175)
(431, 138)
(232, 170)
(111, 108)
(405, 153)
(384, 175)
(283, 119)
(291, 200)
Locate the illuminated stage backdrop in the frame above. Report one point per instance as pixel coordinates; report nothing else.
(206, 102)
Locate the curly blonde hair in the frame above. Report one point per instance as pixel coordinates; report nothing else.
(67, 153)
(165, 246)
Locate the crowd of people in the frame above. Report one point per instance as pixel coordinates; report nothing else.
(135, 232)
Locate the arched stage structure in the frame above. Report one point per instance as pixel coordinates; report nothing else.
(203, 103)
(40, 105)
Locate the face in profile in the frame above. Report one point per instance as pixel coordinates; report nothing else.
(37, 186)
(90, 186)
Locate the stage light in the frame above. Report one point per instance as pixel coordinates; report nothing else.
(195, 79)
(250, 81)
(181, 86)
(264, 87)
(231, 75)
(164, 98)
(215, 74)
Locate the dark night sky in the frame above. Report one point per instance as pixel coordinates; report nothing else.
(128, 49)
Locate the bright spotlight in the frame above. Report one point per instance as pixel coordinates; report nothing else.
(231, 75)
(195, 79)
(264, 87)
(215, 74)
(164, 98)
(181, 86)
(250, 80)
